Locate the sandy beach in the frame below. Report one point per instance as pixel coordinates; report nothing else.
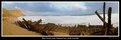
(9, 28)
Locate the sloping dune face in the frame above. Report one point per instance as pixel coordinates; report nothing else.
(12, 29)
(15, 12)
(7, 13)
(8, 28)
(10, 14)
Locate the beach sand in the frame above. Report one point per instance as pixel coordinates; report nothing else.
(8, 28)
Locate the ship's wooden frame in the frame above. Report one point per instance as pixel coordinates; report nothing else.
(49, 28)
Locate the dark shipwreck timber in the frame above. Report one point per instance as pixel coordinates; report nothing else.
(106, 26)
(49, 28)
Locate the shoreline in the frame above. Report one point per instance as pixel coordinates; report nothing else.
(72, 20)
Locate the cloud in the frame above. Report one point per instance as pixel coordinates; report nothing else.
(68, 6)
(7, 2)
(60, 8)
(9, 5)
(34, 13)
(16, 7)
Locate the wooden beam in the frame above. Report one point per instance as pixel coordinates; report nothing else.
(104, 25)
(109, 15)
(104, 10)
(100, 17)
(109, 20)
(27, 24)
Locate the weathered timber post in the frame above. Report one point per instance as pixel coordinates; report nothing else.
(109, 20)
(109, 16)
(104, 24)
(104, 12)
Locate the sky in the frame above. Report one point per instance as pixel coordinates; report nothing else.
(60, 8)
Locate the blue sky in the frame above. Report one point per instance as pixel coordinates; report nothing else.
(60, 8)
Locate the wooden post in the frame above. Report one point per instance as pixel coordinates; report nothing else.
(109, 20)
(109, 16)
(104, 14)
(39, 21)
(108, 25)
(104, 24)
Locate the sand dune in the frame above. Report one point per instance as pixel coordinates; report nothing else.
(8, 28)
(12, 29)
